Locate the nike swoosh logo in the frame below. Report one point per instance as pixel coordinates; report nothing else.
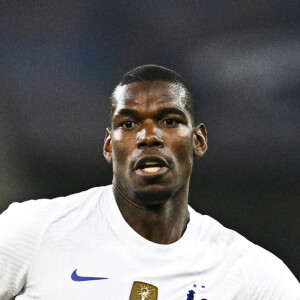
(76, 277)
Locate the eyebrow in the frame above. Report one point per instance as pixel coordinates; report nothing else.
(127, 112)
(164, 111)
(172, 111)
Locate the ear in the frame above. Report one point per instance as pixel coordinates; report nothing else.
(107, 146)
(200, 140)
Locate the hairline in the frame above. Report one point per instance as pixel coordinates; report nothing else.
(188, 95)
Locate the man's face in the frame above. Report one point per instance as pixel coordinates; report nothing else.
(151, 142)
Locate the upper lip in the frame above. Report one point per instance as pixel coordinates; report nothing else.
(143, 160)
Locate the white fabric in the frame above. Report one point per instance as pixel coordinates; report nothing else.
(43, 241)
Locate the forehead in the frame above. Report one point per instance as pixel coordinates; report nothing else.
(150, 93)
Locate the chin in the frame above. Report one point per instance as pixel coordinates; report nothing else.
(153, 195)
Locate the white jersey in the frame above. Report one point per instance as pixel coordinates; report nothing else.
(80, 247)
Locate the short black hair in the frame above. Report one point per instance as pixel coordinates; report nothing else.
(157, 73)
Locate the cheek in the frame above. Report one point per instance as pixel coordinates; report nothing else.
(117, 136)
(122, 146)
(182, 139)
(181, 145)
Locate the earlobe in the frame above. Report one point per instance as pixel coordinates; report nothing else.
(200, 140)
(107, 146)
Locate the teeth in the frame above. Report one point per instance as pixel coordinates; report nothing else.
(151, 169)
(150, 163)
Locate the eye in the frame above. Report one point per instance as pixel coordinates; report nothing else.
(170, 122)
(128, 124)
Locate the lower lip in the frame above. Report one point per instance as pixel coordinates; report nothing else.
(154, 172)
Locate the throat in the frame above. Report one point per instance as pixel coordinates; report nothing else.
(163, 230)
(162, 223)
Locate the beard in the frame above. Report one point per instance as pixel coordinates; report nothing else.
(152, 198)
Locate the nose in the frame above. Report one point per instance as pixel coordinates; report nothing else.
(150, 136)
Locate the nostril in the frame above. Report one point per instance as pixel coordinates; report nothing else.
(142, 144)
(150, 143)
(156, 144)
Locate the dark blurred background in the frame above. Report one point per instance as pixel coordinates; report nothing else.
(59, 61)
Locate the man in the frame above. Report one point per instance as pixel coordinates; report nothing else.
(137, 239)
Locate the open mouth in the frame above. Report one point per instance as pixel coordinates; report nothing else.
(151, 169)
(151, 166)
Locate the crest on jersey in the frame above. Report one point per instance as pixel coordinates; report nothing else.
(143, 291)
(195, 290)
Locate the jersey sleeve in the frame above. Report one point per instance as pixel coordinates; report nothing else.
(20, 233)
(269, 278)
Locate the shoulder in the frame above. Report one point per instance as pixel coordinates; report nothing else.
(29, 212)
(33, 215)
(217, 237)
(267, 275)
(261, 273)
(23, 226)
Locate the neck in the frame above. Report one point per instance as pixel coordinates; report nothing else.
(162, 223)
